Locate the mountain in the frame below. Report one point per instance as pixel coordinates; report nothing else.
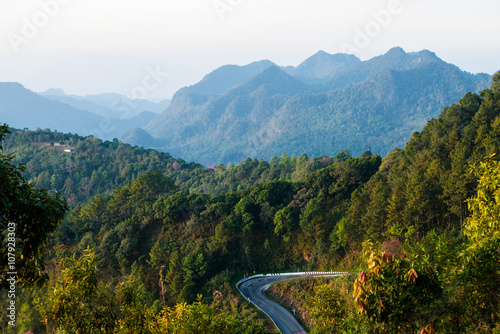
(140, 136)
(22, 108)
(108, 105)
(225, 118)
(378, 114)
(322, 66)
(326, 104)
(395, 59)
(225, 78)
(53, 92)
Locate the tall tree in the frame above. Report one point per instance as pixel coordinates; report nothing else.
(27, 217)
(479, 273)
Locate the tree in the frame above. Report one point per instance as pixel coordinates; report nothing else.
(92, 214)
(174, 278)
(284, 223)
(376, 210)
(135, 315)
(392, 292)
(327, 309)
(176, 165)
(484, 221)
(149, 186)
(480, 273)
(479, 276)
(496, 83)
(199, 318)
(27, 217)
(194, 267)
(78, 304)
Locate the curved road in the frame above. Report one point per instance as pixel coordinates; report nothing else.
(253, 289)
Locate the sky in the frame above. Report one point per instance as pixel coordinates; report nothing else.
(151, 48)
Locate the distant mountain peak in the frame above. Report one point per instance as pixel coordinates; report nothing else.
(225, 78)
(11, 85)
(273, 69)
(265, 62)
(322, 66)
(340, 57)
(325, 104)
(138, 136)
(397, 50)
(397, 53)
(53, 91)
(275, 72)
(426, 54)
(272, 80)
(321, 54)
(425, 51)
(394, 59)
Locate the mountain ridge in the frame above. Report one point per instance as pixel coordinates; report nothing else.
(23, 108)
(109, 105)
(322, 66)
(376, 103)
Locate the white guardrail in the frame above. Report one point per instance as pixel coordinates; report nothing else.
(312, 273)
(306, 273)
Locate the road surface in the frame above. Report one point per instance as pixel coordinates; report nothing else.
(253, 290)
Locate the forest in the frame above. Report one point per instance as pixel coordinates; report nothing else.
(135, 241)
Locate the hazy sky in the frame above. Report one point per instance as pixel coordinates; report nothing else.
(94, 46)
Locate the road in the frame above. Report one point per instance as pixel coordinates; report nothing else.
(253, 290)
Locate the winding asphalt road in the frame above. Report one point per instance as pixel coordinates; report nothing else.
(253, 290)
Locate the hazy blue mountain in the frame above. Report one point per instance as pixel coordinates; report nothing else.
(232, 113)
(108, 105)
(272, 80)
(394, 59)
(22, 108)
(53, 92)
(141, 136)
(380, 113)
(375, 104)
(121, 103)
(187, 99)
(81, 104)
(322, 66)
(225, 78)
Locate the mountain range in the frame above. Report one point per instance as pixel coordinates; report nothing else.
(106, 116)
(326, 104)
(108, 105)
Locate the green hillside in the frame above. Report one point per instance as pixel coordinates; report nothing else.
(162, 231)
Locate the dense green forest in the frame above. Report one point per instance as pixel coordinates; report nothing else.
(96, 167)
(151, 243)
